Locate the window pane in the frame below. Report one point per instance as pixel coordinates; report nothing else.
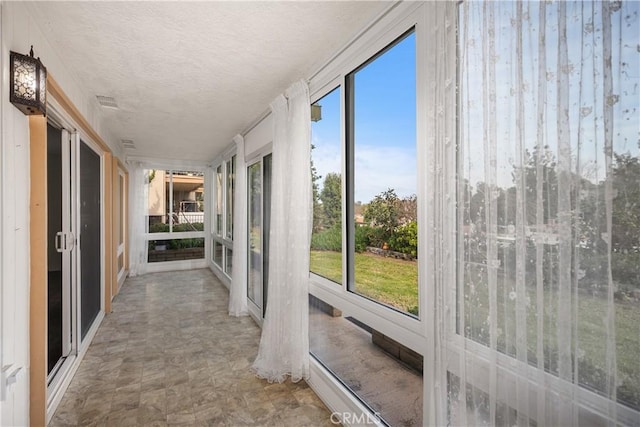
(188, 201)
(121, 209)
(217, 253)
(175, 250)
(157, 201)
(382, 136)
(175, 201)
(326, 167)
(231, 172)
(267, 163)
(549, 185)
(254, 179)
(228, 261)
(384, 374)
(219, 200)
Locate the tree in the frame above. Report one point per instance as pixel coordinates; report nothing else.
(626, 203)
(408, 209)
(383, 213)
(317, 207)
(331, 198)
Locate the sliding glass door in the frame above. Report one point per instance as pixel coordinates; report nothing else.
(90, 237)
(259, 203)
(60, 249)
(74, 247)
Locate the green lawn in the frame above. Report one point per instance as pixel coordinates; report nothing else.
(394, 282)
(388, 280)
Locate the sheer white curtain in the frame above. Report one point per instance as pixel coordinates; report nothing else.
(138, 201)
(284, 346)
(238, 291)
(537, 304)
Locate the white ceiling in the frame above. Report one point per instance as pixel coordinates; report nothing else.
(188, 76)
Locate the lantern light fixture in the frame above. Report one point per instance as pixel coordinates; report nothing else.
(28, 84)
(316, 112)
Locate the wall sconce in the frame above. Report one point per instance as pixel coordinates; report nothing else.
(316, 112)
(28, 84)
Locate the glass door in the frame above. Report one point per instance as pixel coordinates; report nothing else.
(259, 203)
(90, 237)
(254, 285)
(60, 248)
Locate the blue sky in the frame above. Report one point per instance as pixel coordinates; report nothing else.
(385, 126)
(583, 93)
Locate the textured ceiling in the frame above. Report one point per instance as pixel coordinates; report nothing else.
(188, 76)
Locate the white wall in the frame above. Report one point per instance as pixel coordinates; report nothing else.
(18, 32)
(258, 137)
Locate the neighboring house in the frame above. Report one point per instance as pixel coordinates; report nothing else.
(177, 195)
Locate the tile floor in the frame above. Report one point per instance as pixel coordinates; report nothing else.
(170, 355)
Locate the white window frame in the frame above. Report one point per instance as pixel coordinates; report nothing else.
(257, 312)
(154, 267)
(222, 236)
(407, 330)
(122, 189)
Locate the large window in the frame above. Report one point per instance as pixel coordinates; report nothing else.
(223, 205)
(549, 202)
(372, 143)
(326, 173)
(504, 135)
(175, 215)
(382, 185)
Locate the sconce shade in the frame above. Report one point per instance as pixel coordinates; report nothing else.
(316, 112)
(28, 84)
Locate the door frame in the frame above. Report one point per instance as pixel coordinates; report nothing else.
(54, 390)
(69, 258)
(257, 312)
(80, 138)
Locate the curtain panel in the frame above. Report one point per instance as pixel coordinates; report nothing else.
(537, 302)
(138, 200)
(238, 290)
(284, 345)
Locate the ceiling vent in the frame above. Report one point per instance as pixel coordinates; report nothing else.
(107, 101)
(128, 144)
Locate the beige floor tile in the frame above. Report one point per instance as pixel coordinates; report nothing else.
(169, 354)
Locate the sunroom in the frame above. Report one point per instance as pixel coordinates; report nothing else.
(358, 213)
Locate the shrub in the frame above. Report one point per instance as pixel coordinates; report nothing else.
(327, 240)
(376, 236)
(159, 228)
(405, 239)
(363, 238)
(331, 239)
(164, 228)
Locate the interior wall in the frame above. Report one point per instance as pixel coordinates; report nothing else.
(18, 32)
(14, 234)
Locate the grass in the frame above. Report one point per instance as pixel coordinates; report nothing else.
(591, 330)
(388, 280)
(394, 282)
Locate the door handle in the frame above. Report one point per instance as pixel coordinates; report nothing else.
(58, 241)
